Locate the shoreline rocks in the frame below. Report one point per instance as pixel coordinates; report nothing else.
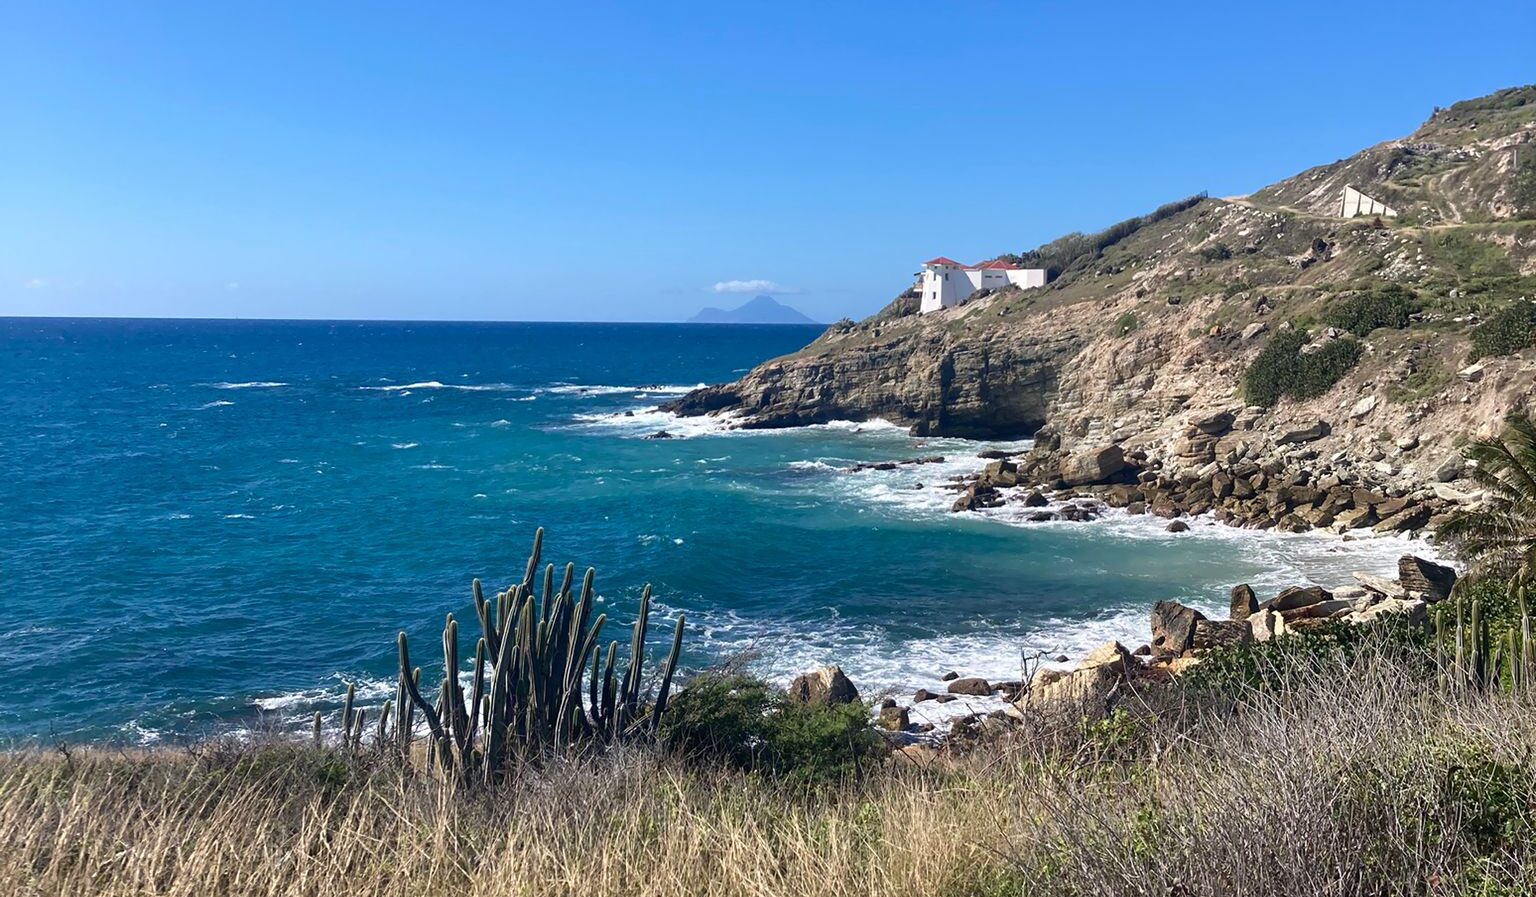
(1180, 637)
(1212, 474)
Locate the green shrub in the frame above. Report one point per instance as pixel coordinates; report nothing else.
(1386, 305)
(1272, 664)
(1215, 252)
(1523, 187)
(744, 723)
(1076, 250)
(1511, 329)
(1282, 369)
(1126, 324)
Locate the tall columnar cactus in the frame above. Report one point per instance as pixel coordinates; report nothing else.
(1480, 660)
(524, 692)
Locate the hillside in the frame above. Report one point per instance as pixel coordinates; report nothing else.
(1159, 322)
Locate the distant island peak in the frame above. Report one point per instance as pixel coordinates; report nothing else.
(758, 310)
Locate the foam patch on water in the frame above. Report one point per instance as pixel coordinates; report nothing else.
(641, 422)
(1317, 556)
(218, 404)
(407, 388)
(644, 421)
(254, 384)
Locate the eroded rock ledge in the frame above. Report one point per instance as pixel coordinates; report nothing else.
(1219, 468)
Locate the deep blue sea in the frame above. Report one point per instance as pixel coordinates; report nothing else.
(209, 526)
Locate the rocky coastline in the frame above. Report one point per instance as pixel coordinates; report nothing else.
(1218, 469)
(1178, 638)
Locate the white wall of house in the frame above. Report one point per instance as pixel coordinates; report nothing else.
(1026, 278)
(946, 286)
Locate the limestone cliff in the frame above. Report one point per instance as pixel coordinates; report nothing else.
(1157, 323)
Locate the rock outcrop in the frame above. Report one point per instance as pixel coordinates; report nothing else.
(828, 685)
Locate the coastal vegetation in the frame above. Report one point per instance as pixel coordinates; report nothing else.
(1498, 537)
(1339, 767)
(1286, 368)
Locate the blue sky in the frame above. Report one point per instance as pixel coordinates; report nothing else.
(615, 162)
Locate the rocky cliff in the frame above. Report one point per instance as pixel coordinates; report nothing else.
(1161, 322)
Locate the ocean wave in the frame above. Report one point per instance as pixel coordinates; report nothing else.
(641, 422)
(219, 404)
(597, 389)
(254, 384)
(407, 388)
(646, 421)
(404, 445)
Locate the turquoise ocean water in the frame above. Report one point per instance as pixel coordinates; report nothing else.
(209, 526)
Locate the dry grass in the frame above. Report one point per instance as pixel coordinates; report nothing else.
(1358, 780)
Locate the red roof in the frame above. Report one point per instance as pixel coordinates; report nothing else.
(941, 260)
(999, 265)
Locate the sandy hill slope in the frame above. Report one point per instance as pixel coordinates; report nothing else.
(1412, 329)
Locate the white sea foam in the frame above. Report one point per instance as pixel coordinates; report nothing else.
(407, 388)
(254, 384)
(640, 422)
(218, 404)
(238, 517)
(404, 445)
(644, 421)
(598, 389)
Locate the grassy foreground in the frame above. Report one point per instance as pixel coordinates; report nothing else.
(1335, 773)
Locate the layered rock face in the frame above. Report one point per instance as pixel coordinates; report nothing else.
(928, 379)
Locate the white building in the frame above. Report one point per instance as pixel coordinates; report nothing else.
(945, 283)
(1353, 203)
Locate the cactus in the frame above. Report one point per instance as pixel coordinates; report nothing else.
(1472, 658)
(524, 698)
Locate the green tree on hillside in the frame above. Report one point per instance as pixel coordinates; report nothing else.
(1498, 537)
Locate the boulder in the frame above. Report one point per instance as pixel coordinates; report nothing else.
(1322, 610)
(1214, 422)
(1380, 585)
(1216, 633)
(1415, 609)
(1178, 526)
(1265, 624)
(1363, 407)
(1450, 469)
(1308, 433)
(1244, 602)
(1355, 518)
(1425, 579)
(1298, 596)
(894, 719)
(1413, 517)
(1088, 688)
(923, 694)
(827, 685)
(1095, 466)
(1173, 627)
(970, 685)
(1035, 500)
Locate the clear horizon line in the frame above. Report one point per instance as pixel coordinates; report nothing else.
(14, 317)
